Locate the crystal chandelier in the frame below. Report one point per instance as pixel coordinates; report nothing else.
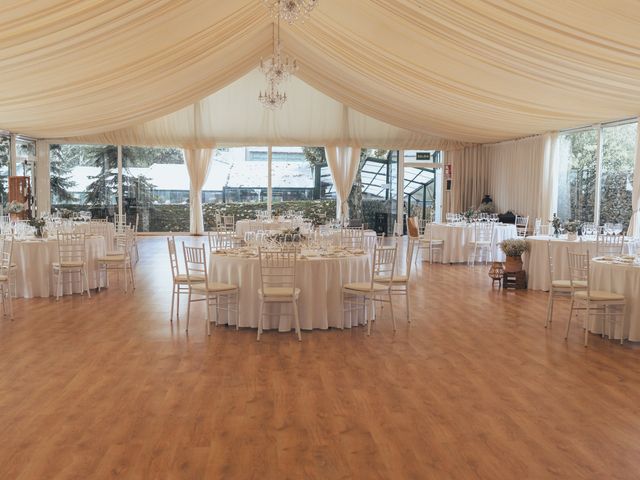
(277, 67)
(290, 10)
(271, 98)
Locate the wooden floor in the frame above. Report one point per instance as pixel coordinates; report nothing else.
(475, 388)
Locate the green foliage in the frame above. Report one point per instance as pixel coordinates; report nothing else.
(514, 247)
(315, 156)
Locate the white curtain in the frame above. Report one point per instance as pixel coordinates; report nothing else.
(198, 162)
(43, 178)
(523, 175)
(343, 163)
(634, 223)
(469, 179)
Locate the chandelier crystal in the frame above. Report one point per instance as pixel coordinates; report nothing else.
(291, 10)
(271, 98)
(277, 67)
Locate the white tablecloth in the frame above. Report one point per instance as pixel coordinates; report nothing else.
(109, 232)
(320, 281)
(537, 265)
(33, 259)
(457, 237)
(623, 279)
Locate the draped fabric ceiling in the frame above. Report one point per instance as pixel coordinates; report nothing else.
(441, 73)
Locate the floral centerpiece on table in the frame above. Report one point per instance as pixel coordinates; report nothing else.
(38, 224)
(572, 226)
(65, 213)
(290, 232)
(513, 248)
(470, 213)
(555, 222)
(16, 207)
(487, 208)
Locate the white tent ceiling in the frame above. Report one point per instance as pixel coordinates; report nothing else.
(466, 70)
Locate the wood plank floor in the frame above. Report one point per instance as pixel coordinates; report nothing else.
(475, 388)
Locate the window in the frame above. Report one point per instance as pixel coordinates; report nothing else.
(580, 177)
(155, 189)
(291, 179)
(616, 182)
(5, 148)
(577, 175)
(84, 177)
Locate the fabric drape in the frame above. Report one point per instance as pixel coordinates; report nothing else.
(634, 223)
(343, 162)
(474, 72)
(470, 179)
(43, 178)
(198, 162)
(522, 175)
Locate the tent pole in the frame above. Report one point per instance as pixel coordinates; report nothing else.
(269, 189)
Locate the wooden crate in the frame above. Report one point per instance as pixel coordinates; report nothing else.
(514, 280)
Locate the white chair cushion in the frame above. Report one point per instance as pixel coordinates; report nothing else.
(111, 259)
(435, 241)
(396, 279)
(3, 278)
(182, 278)
(599, 296)
(279, 292)
(214, 287)
(112, 253)
(69, 264)
(480, 242)
(567, 284)
(365, 287)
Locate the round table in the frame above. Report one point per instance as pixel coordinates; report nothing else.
(536, 262)
(457, 237)
(622, 278)
(33, 259)
(319, 278)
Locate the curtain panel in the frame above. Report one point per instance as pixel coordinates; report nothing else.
(343, 162)
(523, 175)
(198, 162)
(470, 179)
(634, 223)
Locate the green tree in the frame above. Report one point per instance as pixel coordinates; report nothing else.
(59, 175)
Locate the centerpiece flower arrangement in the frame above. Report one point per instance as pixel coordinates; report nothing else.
(572, 227)
(469, 214)
(513, 248)
(38, 224)
(555, 222)
(287, 235)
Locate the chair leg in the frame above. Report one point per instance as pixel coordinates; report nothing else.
(406, 296)
(586, 325)
(86, 279)
(393, 319)
(549, 309)
(188, 310)
(566, 333)
(207, 306)
(178, 292)
(173, 297)
(237, 310)
(370, 314)
(10, 302)
(624, 307)
(297, 319)
(133, 278)
(260, 318)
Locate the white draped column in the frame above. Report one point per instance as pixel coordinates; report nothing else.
(198, 162)
(343, 162)
(43, 178)
(634, 223)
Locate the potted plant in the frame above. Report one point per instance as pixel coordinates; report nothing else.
(513, 248)
(38, 224)
(572, 227)
(469, 214)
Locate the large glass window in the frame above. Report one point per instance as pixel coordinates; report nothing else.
(5, 148)
(577, 175)
(616, 181)
(155, 189)
(580, 176)
(84, 177)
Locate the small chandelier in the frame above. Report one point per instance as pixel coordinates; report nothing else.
(277, 67)
(271, 98)
(290, 10)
